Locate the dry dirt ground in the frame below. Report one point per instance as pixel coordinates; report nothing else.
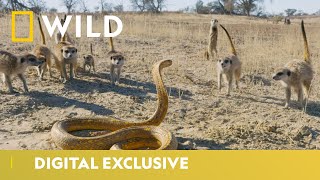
(199, 116)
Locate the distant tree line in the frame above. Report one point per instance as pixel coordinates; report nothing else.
(234, 7)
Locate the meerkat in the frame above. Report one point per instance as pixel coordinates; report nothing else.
(229, 67)
(57, 34)
(117, 61)
(89, 61)
(66, 53)
(11, 64)
(213, 39)
(43, 53)
(297, 74)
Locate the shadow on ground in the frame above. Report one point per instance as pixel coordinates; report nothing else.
(53, 100)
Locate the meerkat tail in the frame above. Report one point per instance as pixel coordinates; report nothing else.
(43, 38)
(91, 49)
(110, 39)
(306, 47)
(233, 50)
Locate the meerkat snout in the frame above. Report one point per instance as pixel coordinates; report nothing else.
(224, 64)
(117, 60)
(31, 60)
(69, 52)
(283, 75)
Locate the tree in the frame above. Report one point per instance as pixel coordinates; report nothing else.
(70, 4)
(16, 5)
(290, 12)
(53, 10)
(37, 6)
(105, 7)
(247, 6)
(140, 5)
(229, 6)
(84, 7)
(118, 8)
(155, 6)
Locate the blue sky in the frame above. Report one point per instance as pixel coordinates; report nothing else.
(309, 6)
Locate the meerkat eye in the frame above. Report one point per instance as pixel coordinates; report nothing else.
(289, 73)
(32, 59)
(280, 74)
(66, 51)
(73, 51)
(226, 61)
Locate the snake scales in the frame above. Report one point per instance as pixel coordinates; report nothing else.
(122, 134)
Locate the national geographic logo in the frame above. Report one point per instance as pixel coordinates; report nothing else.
(63, 28)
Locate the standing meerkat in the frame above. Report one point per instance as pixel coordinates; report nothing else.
(229, 67)
(213, 39)
(89, 61)
(297, 74)
(43, 53)
(11, 64)
(66, 53)
(117, 61)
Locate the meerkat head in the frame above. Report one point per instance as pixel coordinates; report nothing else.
(87, 58)
(117, 60)
(30, 60)
(69, 52)
(214, 23)
(224, 64)
(282, 75)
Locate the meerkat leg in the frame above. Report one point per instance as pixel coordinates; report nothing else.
(7, 81)
(118, 75)
(230, 80)
(307, 86)
(23, 79)
(43, 71)
(300, 95)
(63, 72)
(112, 74)
(73, 67)
(94, 67)
(219, 81)
(237, 77)
(288, 97)
(90, 67)
(49, 65)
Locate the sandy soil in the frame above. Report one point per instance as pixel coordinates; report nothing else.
(200, 117)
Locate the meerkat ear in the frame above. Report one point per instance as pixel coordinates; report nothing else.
(62, 50)
(230, 61)
(289, 73)
(76, 50)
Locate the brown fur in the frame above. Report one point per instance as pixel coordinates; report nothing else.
(11, 65)
(66, 53)
(213, 39)
(229, 67)
(117, 61)
(42, 52)
(297, 74)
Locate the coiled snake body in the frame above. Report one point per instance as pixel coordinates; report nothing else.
(123, 134)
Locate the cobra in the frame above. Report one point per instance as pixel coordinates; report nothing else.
(123, 134)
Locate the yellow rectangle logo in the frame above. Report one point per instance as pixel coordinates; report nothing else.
(13, 26)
